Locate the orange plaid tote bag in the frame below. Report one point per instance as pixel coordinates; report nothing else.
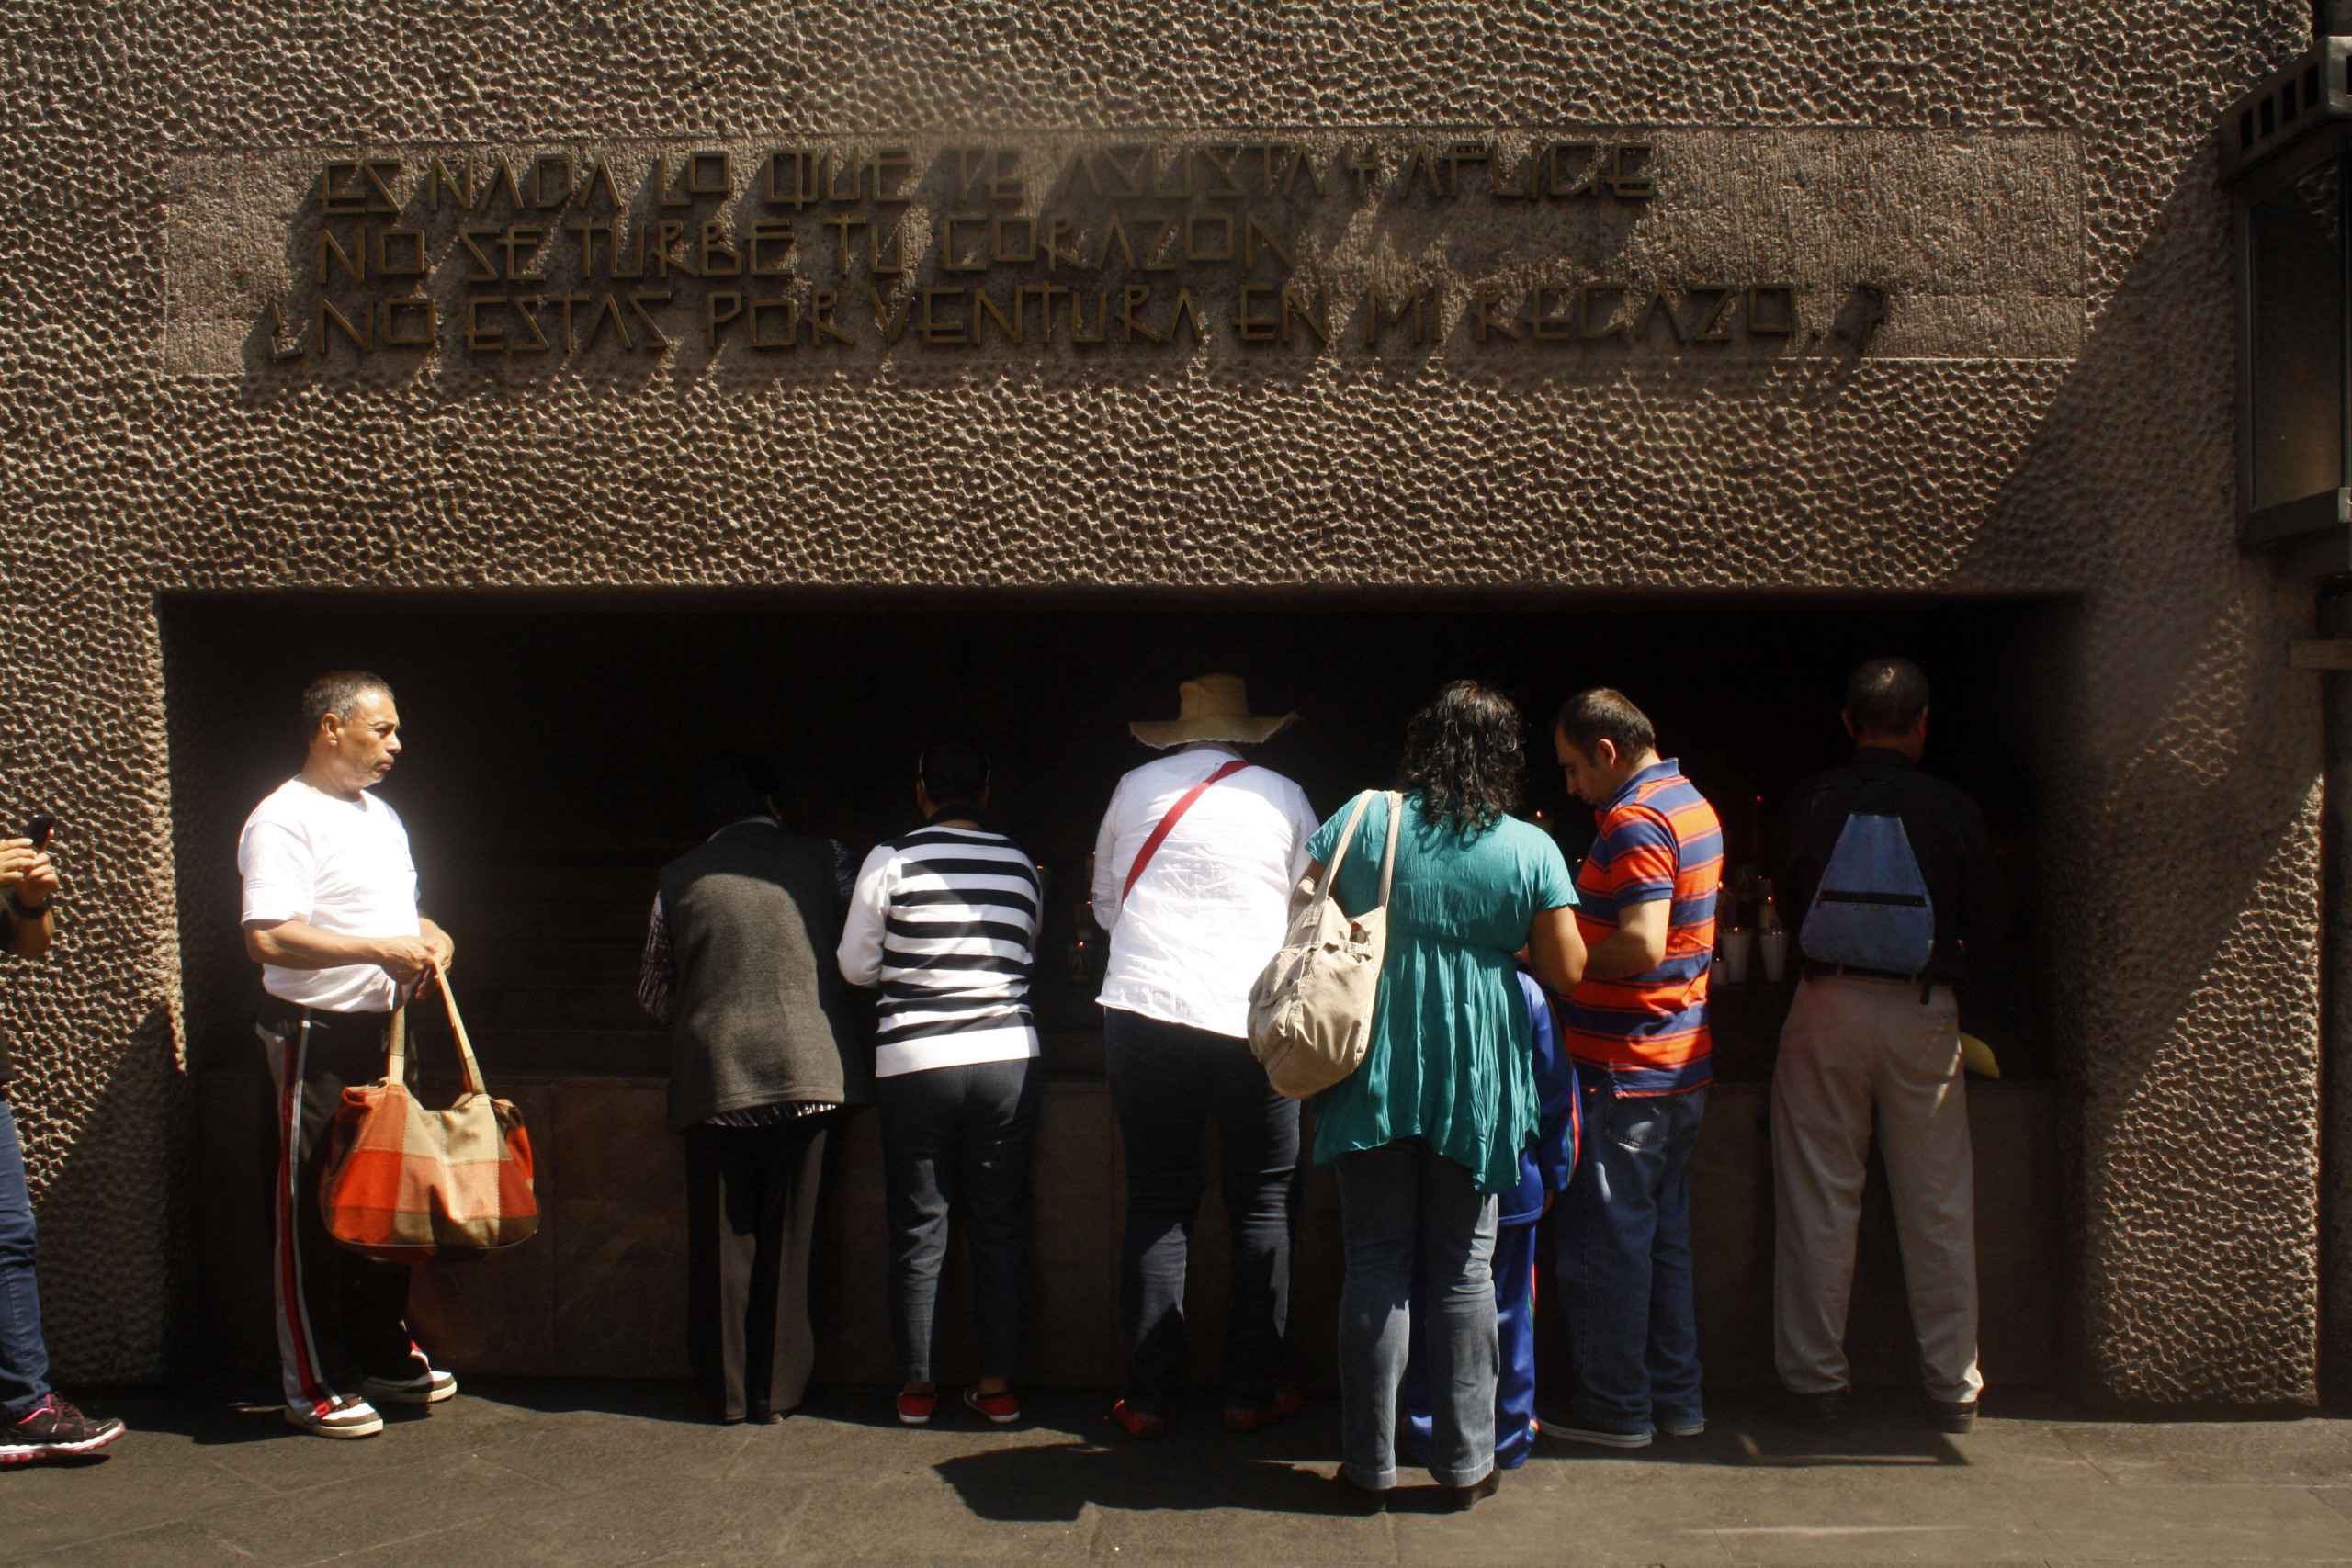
(404, 1184)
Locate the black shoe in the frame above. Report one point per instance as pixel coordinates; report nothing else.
(1358, 1499)
(1827, 1412)
(54, 1430)
(1955, 1414)
(1461, 1499)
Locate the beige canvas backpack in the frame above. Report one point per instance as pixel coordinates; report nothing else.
(1310, 1012)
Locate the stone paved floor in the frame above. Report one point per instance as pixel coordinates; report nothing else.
(611, 1473)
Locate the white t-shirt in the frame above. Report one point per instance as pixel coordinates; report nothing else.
(1210, 911)
(341, 866)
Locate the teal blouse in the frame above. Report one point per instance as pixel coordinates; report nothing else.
(1451, 1058)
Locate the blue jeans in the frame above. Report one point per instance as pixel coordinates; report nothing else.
(1514, 1271)
(1166, 1081)
(24, 1359)
(1624, 1261)
(1401, 1203)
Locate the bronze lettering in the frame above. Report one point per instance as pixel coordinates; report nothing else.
(461, 184)
(948, 262)
(354, 265)
(1503, 190)
(1585, 297)
(892, 326)
(1552, 185)
(1629, 176)
(1130, 182)
(838, 162)
(840, 228)
(719, 307)
(1188, 314)
(803, 190)
(1550, 323)
(1715, 326)
(525, 240)
(1378, 312)
(972, 173)
(1659, 306)
(983, 302)
(1117, 231)
(1159, 241)
(1057, 225)
(1193, 225)
(1080, 164)
(1001, 252)
(1137, 294)
(1253, 230)
(671, 233)
(1420, 160)
(607, 307)
(390, 335)
(561, 164)
(1781, 320)
(1316, 316)
(1101, 317)
(1252, 328)
(361, 336)
(410, 267)
(587, 232)
(637, 262)
(936, 328)
(488, 273)
(1300, 161)
(602, 171)
(568, 302)
(889, 161)
(1008, 184)
(380, 198)
(822, 302)
(771, 231)
(1482, 314)
(717, 242)
(478, 338)
(1160, 185)
(1044, 293)
(1220, 159)
(638, 300)
(791, 324)
(1460, 152)
(346, 199)
(526, 310)
(1365, 168)
(709, 173)
(897, 244)
(499, 174)
(663, 179)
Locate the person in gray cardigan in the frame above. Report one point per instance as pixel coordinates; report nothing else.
(765, 1051)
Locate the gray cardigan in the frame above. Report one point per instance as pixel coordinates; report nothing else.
(760, 1014)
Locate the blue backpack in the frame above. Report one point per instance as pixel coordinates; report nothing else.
(1871, 910)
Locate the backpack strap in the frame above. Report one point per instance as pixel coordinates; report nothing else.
(1158, 834)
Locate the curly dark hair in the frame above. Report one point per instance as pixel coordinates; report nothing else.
(1465, 754)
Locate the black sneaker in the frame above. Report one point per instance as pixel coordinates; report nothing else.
(1827, 1412)
(1955, 1414)
(55, 1429)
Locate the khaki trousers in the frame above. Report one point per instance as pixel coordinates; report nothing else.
(1853, 1047)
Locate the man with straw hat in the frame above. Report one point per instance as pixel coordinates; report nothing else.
(1193, 869)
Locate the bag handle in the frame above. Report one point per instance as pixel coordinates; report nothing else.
(1151, 844)
(1340, 855)
(1388, 860)
(395, 1052)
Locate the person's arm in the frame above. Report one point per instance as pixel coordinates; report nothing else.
(657, 967)
(443, 950)
(1105, 891)
(1638, 858)
(1556, 949)
(860, 953)
(297, 945)
(30, 882)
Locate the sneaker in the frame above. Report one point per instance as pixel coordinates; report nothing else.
(341, 1416)
(55, 1428)
(1696, 1428)
(428, 1387)
(1595, 1435)
(916, 1409)
(998, 1408)
(1955, 1414)
(1141, 1425)
(1829, 1412)
(1248, 1419)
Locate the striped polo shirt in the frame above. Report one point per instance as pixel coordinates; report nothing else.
(1658, 839)
(944, 921)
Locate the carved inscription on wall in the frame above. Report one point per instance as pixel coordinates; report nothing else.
(1471, 247)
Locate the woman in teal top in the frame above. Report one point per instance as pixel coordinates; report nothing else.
(1430, 1128)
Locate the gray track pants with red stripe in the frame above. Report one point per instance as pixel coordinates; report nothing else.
(340, 1315)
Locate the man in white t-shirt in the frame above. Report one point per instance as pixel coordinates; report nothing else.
(330, 915)
(1193, 868)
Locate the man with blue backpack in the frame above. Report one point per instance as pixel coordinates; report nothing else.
(1901, 891)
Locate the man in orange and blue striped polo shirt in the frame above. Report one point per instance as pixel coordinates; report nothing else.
(1636, 1029)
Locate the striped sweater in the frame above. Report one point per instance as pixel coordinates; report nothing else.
(944, 921)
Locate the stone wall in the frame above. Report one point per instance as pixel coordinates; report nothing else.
(2045, 410)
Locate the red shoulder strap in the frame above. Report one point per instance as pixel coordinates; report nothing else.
(1152, 845)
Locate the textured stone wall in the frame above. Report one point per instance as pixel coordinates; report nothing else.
(2047, 410)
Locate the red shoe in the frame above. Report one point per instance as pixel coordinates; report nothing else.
(1241, 1419)
(998, 1408)
(915, 1409)
(1141, 1425)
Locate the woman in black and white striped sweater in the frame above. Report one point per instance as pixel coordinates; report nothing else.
(944, 921)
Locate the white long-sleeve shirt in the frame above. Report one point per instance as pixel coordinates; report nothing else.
(1210, 910)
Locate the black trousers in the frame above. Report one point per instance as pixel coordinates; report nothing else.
(341, 1317)
(751, 1216)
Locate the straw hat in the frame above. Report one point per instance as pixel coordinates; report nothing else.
(1215, 707)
